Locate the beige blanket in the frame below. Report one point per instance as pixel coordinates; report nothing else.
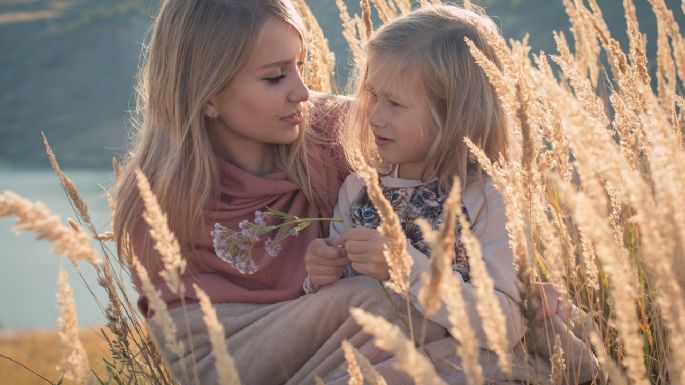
(291, 342)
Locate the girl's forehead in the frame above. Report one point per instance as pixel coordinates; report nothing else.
(393, 73)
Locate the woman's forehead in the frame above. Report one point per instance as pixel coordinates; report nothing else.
(277, 42)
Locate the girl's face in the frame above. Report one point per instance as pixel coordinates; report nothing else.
(263, 103)
(398, 119)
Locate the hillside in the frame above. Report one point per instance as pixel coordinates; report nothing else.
(68, 67)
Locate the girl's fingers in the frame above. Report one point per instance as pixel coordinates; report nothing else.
(358, 234)
(324, 270)
(375, 270)
(364, 247)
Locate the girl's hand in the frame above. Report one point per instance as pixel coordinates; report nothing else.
(325, 261)
(364, 249)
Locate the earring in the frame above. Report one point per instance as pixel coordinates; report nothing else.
(212, 118)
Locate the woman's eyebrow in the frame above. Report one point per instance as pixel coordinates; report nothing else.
(276, 64)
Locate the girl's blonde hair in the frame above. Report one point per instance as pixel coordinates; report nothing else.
(196, 49)
(426, 48)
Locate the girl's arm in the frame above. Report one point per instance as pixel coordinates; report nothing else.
(486, 210)
(325, 260)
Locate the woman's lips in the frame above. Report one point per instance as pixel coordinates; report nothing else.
(381, 141)
(294, 118)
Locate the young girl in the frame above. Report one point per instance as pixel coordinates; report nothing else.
(419, 94)
(222, 135)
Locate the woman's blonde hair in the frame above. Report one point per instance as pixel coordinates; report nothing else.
(426, 48)
(196, 48)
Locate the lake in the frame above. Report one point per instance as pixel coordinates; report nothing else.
(28, 276)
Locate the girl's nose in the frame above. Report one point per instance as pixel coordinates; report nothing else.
(376, 118)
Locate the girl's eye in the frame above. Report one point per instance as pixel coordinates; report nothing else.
(275, 80)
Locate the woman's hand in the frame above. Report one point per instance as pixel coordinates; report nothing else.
(325, 261)
(364, 249)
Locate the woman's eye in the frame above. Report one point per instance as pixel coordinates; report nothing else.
(275, 80)
(394, 103)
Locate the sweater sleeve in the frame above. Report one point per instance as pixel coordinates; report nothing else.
(348, 191)
(488, 223)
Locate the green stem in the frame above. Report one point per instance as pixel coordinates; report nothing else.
(26, 368)
(297, 221)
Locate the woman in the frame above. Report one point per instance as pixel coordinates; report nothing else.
(223, 133)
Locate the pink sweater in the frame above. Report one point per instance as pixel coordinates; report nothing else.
(278, 278)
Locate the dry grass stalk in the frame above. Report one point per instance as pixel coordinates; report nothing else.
(504, 82)
(622, 277)
(558, 363)
(405, 5)
(116, 168)
(225, 366)
(667, 165)
(319, 380)
(665, 17)
(584, 37)
(68, 185)
(581, 86)
(489, 310)
(72, 242)
(442, 251)
(74, 366)
(504, 85)
(166, 243)
(162, 317)
(462, 330)
(350, 28)
(391, 339)
(353, 369)
(385, 12)
(366, 16)
(440, 286)
(637, 41)
(666, 70)
(395, 251)
(372, 375)
(552, 126)
(507, 179)
(606, 364)
(627, 126)
(106, 236)
(321, 61)
(626, 76)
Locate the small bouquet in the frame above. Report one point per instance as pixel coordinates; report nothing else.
(235, 247)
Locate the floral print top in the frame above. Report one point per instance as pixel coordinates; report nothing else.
(411, 203)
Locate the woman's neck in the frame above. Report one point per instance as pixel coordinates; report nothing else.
(257, 159)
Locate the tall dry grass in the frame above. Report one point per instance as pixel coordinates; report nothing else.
(594, 201)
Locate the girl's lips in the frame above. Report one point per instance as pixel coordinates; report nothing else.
(294, 119)
(381, 141)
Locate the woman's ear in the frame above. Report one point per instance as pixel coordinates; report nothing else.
(210, 111)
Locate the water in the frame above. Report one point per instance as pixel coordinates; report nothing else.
(28, 271)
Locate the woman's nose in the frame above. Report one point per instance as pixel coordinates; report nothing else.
(300, 92)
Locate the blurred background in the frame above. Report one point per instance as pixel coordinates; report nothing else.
(67, 69)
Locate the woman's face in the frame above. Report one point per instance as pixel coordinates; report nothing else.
(263, 104)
